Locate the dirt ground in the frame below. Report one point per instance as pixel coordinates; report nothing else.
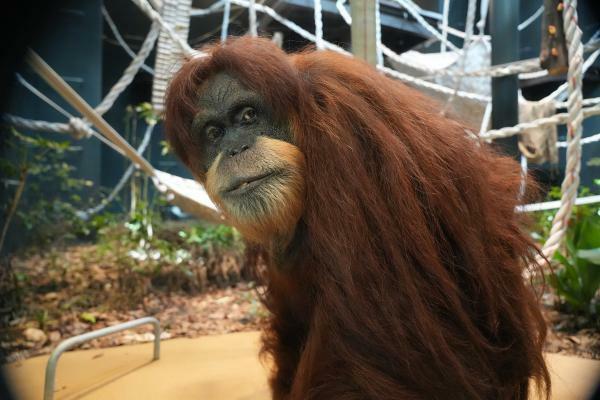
(76, 290)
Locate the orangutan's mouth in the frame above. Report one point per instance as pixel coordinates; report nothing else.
(242, 185)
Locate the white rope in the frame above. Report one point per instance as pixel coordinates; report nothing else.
(459, 34)
(429, 85)
(319, 24)
(37, 125)
(483, 12)
(330, 46)
(413, 10)
(587, 140)
(42, 96)
(291, 25)
(120, 39)
(556, 119)
(343, 12)
(553, 205)
(570, 183)
(532, 18)
(445, 12)
(184, 47)
(512, 68)
(213, 8)
(485, 121)
(225, 24)
(80, 127)
(252, 18)
(469, 25)
(586, 102)
(130, 71)
(85, 214)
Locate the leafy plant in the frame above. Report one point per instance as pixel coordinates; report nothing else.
(577, 279)
(207, 237)
(46, 198)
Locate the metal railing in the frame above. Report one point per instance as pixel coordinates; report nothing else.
(86, 337)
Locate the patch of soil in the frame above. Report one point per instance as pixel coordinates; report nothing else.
(571, 335)
(217, 311)
(66, 292)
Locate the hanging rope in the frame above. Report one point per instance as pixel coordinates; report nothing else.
(570, 183)
(184, 47)
(469, 26)
(120, 39)
(483, 12)
(130, 72)
(85, 214)
(413, 10)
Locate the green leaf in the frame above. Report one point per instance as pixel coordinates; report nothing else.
(591, 255)
(589, 233)
(88, 317)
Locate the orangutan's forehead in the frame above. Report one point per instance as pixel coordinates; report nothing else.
(222, 93)
(220, 88)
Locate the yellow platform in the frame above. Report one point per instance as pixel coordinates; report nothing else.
(211, 367)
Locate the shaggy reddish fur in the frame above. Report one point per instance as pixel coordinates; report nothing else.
(407, 281)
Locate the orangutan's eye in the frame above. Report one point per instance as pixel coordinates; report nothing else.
(248, 115)
(213, 133)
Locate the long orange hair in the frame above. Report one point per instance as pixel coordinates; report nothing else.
(407, 265)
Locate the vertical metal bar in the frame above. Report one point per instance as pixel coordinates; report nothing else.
(364, 30)
(504, 19)
(86, 337)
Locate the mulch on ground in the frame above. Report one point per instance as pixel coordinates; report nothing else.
(77, 289)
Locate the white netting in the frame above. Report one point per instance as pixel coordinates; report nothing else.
(173, 24)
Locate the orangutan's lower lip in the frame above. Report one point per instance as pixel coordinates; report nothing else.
(241, 185)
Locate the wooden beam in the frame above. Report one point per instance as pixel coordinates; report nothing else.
(364, 41)
(554, 55)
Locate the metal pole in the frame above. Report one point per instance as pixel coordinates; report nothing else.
(86, 337)
(364, 30)
(504, 19)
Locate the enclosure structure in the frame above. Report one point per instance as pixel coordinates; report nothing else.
(173, 24)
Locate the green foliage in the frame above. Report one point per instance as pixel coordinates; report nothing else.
(543, 219)
(51, 196)
(146, 111)
(576, 276)
(577, 280)
(165, 148)
(210, 236)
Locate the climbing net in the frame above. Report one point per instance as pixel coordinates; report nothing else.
(170, 27)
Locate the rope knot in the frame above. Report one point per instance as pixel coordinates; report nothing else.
(79, 128)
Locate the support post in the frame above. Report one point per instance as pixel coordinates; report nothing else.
(364, 30)
(504, 19)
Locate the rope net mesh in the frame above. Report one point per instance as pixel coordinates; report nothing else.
(173, 24)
